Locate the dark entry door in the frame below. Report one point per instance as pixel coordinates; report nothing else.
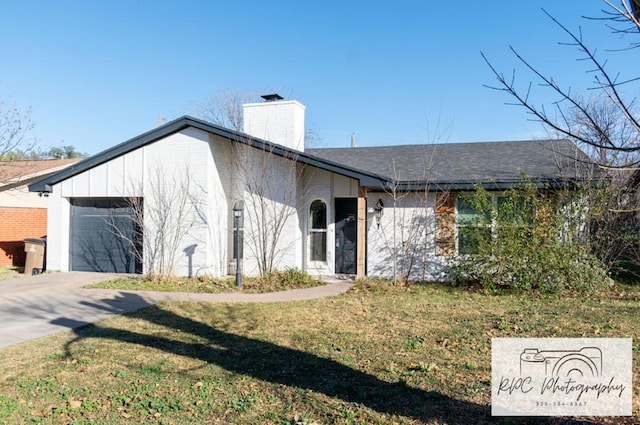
(103, 236)
(346, 235)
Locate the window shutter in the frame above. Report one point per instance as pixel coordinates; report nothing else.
(445, 224)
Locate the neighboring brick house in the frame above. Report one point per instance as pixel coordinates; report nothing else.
(23, 214)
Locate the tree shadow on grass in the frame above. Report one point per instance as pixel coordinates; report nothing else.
(294, 368)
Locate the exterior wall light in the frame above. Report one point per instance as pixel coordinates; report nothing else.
(378, 211)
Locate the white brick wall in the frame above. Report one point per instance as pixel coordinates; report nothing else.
(414, 225)
(220, 201)
(180, 163)
(271, 190)
(280, 122)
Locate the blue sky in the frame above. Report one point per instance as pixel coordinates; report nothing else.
(97, 73)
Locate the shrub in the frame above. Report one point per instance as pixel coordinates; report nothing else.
(289, 278)
(526, 240)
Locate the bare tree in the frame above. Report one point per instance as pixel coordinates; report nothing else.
(15, 126)
(272, 190)
(572, 108)
(613, 225)
(411, 230)
(606, 123)
(225, 109)
(162, 218)
(400, 239)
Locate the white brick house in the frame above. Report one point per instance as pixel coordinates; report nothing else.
(325, 211)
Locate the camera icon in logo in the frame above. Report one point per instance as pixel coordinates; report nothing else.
(585, 362)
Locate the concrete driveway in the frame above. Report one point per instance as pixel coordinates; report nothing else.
(35, 306)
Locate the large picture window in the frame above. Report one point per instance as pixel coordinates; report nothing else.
(318, 231)
(478, 222)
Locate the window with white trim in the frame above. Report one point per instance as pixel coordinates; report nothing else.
(318, 231)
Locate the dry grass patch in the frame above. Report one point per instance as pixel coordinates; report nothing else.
(277, 281)
(374, 355)
(10, 272)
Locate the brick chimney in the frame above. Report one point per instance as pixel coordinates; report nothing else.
(276, 120)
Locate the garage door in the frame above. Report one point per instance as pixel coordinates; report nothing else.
(102, 236)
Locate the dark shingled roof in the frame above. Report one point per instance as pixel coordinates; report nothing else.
(463, 165)
(495, 165)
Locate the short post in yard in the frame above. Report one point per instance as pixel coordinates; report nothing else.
(237, 223)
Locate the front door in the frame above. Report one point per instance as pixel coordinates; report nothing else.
(346, 235)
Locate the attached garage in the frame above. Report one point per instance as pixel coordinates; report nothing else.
(104, 236)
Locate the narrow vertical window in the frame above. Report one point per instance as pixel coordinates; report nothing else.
(318, 230)
(473, 227)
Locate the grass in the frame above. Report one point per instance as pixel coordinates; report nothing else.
(277, 281)
(378, 354)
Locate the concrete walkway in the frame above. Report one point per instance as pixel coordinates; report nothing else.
(35, 306)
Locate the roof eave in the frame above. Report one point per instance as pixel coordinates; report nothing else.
(46, 184)
(464, 186)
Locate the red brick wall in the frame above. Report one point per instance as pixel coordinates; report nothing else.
(17, 224)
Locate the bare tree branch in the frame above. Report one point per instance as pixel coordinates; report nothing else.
(162, 219)
(225, 109)
(15, 126)
(572, 107)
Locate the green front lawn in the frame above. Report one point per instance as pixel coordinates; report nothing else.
(377, 354)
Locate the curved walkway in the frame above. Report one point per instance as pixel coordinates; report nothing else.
(34, 306)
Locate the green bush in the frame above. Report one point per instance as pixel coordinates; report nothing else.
(525, 240)
(289, 278)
